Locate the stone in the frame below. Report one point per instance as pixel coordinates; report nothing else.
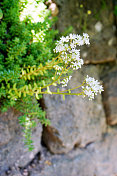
(75, 121)
(109, 78)
(102, 48)
(97, 159)
(12, 149)
(98, 26)
(4, 134)
(54, 9)
(15, 172)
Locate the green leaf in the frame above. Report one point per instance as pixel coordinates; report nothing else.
(14, 86)
(58, 90)
(29, 86)
(54, 84)
(48, 90)
(19, 94)
(39, 89)
(1, 14)
(28, 76)
(69, 91)
(43, 82)
(37, 96)
(64, 97)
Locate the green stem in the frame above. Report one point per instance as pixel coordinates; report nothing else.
(73, 88)
(60, 93)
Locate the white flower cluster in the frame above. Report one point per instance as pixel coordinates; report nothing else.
(34, 11)
(70, 42)
(67, 47)
(58, 69)
(92, 87)
(65, 81)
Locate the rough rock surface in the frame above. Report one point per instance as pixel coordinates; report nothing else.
(101, 49)
(75, 121)
(109, 78)
(97, 159)
(12, 149)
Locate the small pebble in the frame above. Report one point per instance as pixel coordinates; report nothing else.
(110, 42)
(25, 174)
(33, 165)
(98, 26)
(84, 54)
(8, 172)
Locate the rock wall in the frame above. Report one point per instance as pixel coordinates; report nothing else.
(81, 140)
(12, 149)
(75, 121)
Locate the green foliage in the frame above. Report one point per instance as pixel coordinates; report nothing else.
(24, 45)
(1, 14)
(115, 10)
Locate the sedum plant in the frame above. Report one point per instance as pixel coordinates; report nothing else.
(26, 39)
(30, 62)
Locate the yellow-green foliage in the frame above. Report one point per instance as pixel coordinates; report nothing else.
(25, 47)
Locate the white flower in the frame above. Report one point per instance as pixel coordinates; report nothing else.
(86, 38)
(72, 36)
(64, 39)
(59, 48)
(88, 92)
(79, 40)
(77, 52)
(76, 65)
(92, 87)
(33, 11)
(72, 45)
(65, 81)
(57, 67)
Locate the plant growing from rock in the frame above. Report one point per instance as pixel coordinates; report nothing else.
(28, 66)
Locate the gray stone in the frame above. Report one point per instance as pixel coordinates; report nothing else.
(97, 159)
(12, 149)
(4, 134)
(15, 172)
(75, 121)
(98, 26)
(109, 78)
(54, 9)
(102, 48)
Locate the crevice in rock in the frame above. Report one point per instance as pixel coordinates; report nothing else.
(88, 144)
(77, 145)
(42, 105)
(108, 75)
